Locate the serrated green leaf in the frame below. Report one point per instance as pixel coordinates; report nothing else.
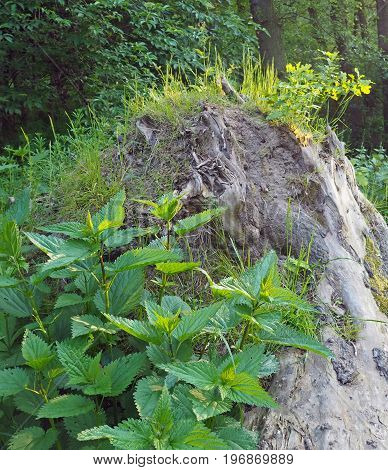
(130, 434)
(125, 293)
(137, 328)
(112, 214)
(68, 300)
(76, 424)
(243, 388)
(85, 324)
(71, 229)
(46, 243)
(122, 371)
(157, 354)
(201, 437)
(193, 323)
(201, 374)
(238, 438)
(175, 268)
(287, 336)
(33, 438)
(141, 257)
(189, 224)
(12, 381)
(147, 394)
(8, 281)
(208, 403)
(20, 209)
(124, 237)
(28, 402)
(66, 406)
(35, 351)
(15, 303)
(175, 305)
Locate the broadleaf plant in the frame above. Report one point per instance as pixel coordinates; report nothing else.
(94, 346)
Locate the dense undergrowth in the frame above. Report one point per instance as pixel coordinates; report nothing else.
(97, 346)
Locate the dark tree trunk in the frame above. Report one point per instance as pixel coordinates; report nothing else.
(382, 31)
(241, 7)
(270, 41)
(316, 28)
(360, 21)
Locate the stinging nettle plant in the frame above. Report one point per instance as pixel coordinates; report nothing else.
(94, 347)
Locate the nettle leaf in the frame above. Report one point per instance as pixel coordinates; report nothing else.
(166, 208)
(285, 297)
(84, 370)
(76, 424)
(176, 268)
(287, 336)
(71, 229)
(33, 438)
(236, 436)
(175, 305)
(15, 303)
(208, 403)
(13, 381)
(68, 300)
(111, 215)
(201, 374)
(28, 402)
(147, 394)
(124, 237)
(8, 281)
(243, 388)
(253, 361)
(35, 351)
(46, 243)
(189, 224)
(200, 437)
(158, 354)
(85, 324)
(141, 257)
(131, 434)
(125, 293)
(139, 329)
(18, 212)
(254, 276)
(193, 323)
(66, 406)
(122, 371)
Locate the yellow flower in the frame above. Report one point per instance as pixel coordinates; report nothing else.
(290, 68)
(365, 89)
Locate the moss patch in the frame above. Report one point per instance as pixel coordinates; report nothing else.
(378, 281)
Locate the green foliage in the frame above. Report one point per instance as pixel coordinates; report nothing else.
(99, 49)
(94, 345)
(372, 176)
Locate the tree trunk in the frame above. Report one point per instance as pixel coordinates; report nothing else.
(360, 21)
(316, 27)
(382, 31)
(270, 41)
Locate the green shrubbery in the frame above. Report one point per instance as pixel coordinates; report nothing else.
(372, 176)
(97, 346)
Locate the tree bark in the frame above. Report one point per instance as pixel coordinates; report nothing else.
(270, 41)
(360, 21)
(382, 31)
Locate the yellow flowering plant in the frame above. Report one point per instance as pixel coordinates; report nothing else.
(305, 92)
